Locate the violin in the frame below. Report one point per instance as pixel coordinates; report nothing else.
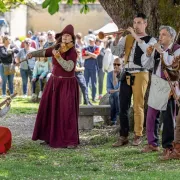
(64, 47)
(59, 47)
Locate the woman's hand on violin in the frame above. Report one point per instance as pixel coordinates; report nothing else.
(56, 53)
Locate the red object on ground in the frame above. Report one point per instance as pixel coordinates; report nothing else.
(5, 139)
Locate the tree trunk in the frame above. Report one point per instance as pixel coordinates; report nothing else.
(158, 12)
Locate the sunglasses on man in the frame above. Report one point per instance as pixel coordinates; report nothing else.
(116, 64)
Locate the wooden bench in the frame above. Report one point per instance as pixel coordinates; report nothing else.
(86, 114)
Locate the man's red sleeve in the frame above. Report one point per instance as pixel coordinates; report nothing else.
(83, 52)
(97, 51)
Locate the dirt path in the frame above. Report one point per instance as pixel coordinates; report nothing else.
(21, 126)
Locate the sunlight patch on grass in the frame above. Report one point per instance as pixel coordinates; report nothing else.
(4, 174)
(23, 106)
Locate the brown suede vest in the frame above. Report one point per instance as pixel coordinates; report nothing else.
(138, 51)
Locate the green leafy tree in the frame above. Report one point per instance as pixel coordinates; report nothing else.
(122, 11)
(165, 12)
(6, 5)
(53, 5)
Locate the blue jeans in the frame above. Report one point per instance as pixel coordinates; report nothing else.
(100, 80)
(91, 74)
(41, 84)
(82, 83)
(25, 73)
(6, 78)
(114, 103)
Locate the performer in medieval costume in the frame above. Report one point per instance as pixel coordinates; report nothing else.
(135, 79)
(161, 96)
(57, 118)
(175, 151)
(5, 133)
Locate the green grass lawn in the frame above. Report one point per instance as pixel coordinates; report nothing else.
(23, 106)
(94, 159)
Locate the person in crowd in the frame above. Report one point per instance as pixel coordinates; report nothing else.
(108, 58)
(89, 54)
(135, 79)
(50, 42)
(35, 38)
(113, 87)
(42, 41)
(80, 77)
(33, 43)
(163, 101)
(99, 43)
(175, 151)
(57, 118)
(86, 38)
(50, 39)
(79, 42)
(26, 67)
(100, 67)
(17, 43)
(8, 67)
(44, 34)
(40, 72)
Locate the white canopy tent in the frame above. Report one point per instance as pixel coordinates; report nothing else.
(110, 27)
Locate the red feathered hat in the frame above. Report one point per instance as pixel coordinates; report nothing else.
(69, 29)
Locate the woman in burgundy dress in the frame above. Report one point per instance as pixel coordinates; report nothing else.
(57, 118)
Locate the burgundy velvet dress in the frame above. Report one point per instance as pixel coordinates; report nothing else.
(57, 118)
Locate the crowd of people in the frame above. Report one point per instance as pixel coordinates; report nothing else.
(90, 69)
(128, 60)
(13, 53)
